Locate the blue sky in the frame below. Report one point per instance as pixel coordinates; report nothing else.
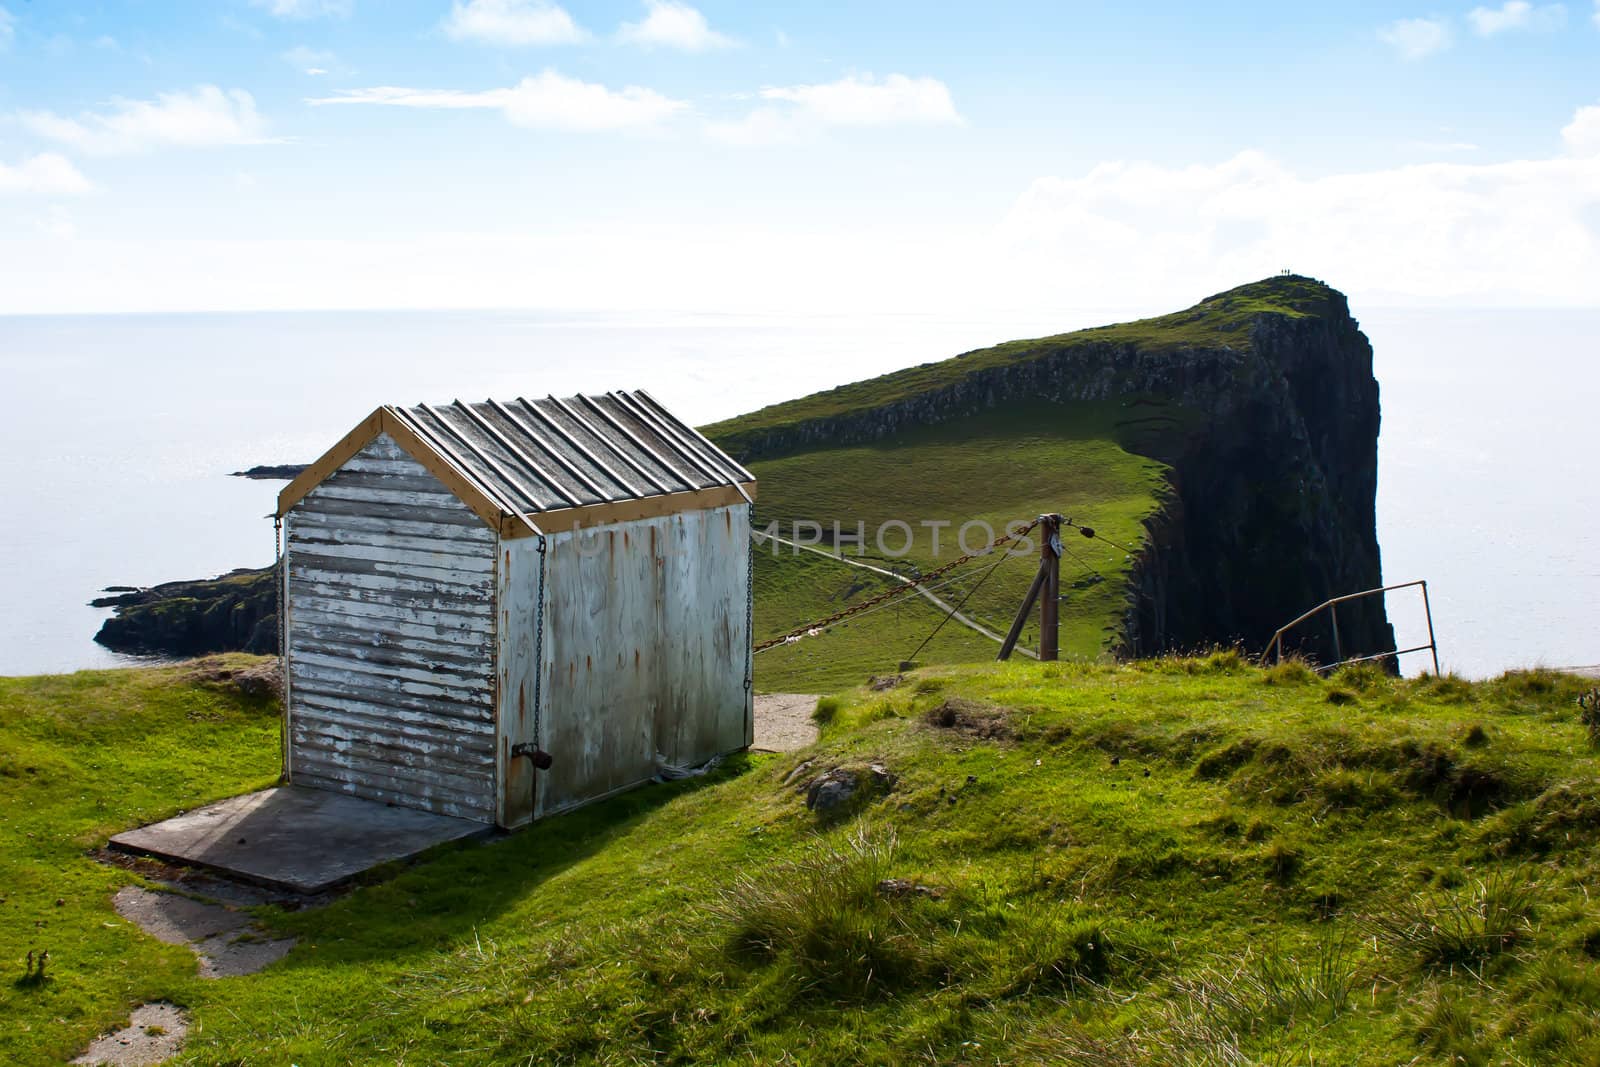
(718, 156)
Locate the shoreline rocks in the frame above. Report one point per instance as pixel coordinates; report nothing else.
(268, 472)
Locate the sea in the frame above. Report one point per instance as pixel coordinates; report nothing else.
(119, 433)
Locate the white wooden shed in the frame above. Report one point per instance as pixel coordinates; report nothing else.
(469, 587)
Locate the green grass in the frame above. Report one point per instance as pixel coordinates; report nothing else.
(1218, 321)
(1176, 861)
(994, 468)
(83, 756)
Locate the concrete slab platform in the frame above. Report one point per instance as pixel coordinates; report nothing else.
(294, 839)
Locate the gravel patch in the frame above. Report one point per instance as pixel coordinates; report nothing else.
(226, 941)
(154, 1034)
(783, 721)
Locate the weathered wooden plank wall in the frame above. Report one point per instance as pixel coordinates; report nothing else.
(392, 639)
(646, 648)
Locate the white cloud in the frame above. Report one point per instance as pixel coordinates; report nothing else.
(45, 174)
(512, 22)
(305, 9)
(1597, 14)
(1516, 15)
(549, 101)
(862, 100)
(1500, 233)
(1582, 134)
(794, 113)
(1509, 234)
(1417, 38)
(673, 25)
(206, 116)
(309, 60)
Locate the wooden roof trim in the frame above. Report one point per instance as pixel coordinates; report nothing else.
(650, 507)
(441, 466)
(386, 420)
(331, 460)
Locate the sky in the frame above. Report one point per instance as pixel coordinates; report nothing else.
(822, 157)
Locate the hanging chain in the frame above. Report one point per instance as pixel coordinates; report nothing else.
(280, 586)
(910, 586)
(750, 605)
(538, 650)
(278, 581)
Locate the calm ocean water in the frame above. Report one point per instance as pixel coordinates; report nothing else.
(120, 431)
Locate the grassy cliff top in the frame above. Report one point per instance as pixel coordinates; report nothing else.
(1223, 320)
(992, 468)
(1185, 861)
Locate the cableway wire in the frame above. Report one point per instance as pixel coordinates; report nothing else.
(764, 646)
(953, 611)
(890, 594)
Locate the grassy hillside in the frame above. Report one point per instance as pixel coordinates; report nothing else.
(994, 468)
(1181, 862)
(1224, 319)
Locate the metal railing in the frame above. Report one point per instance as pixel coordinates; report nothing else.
(1332, 608)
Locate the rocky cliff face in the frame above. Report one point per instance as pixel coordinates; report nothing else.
(1274, 462)
(1274, 509)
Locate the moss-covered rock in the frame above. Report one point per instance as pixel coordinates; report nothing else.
(237, 612)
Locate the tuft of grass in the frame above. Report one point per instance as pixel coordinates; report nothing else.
(1442, 930)
(1446, 1025)
(1589, 713)
(826, 711)
(1361, 677)
(1293, 671)
(1283, 862)
(823, 916)
(1271, 986)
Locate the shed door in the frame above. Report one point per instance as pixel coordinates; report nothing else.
(602, 636)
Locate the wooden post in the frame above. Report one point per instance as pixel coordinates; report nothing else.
(1023, 612)
(1046, 589)
(1050, 595)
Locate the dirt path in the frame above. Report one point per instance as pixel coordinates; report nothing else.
(783, 721)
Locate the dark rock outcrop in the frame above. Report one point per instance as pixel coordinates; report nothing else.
(273, 472)
(237, 612)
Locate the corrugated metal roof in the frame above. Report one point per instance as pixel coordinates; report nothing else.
(533, 456)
